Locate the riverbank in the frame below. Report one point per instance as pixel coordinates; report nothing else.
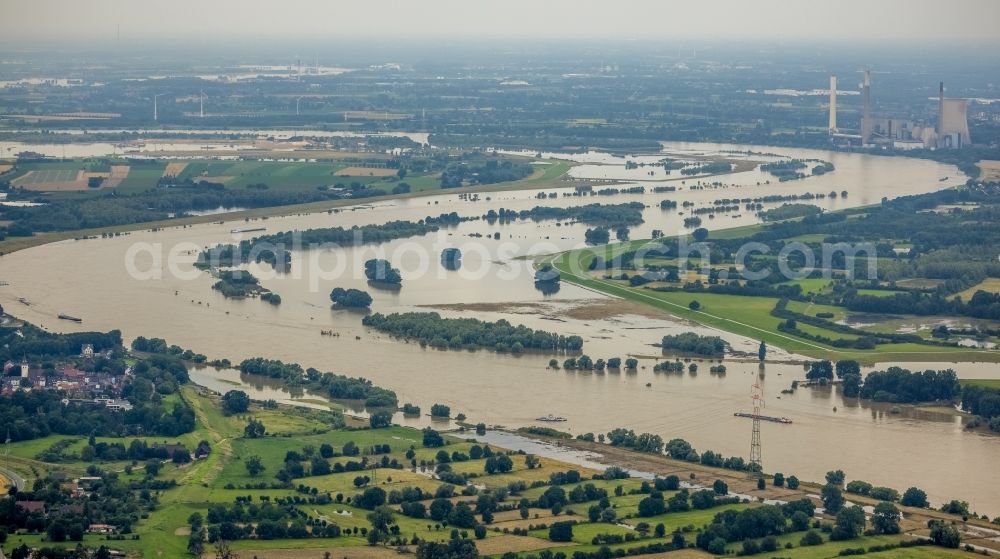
(647, 466)
(747, 315)
(555, 177)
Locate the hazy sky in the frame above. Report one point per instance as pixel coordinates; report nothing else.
(917, 21)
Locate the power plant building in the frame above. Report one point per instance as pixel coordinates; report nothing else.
(950, 131)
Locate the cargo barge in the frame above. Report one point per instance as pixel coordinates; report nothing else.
(763, 417)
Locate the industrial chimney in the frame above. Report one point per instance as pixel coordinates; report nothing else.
(940, 126)
(866, 117)
(833, 104)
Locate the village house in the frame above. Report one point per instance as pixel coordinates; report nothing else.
(68, 378)
(102, 529)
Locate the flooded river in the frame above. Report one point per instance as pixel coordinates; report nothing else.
(150, 141)
(900, 447)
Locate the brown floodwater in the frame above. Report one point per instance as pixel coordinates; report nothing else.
(90, 279)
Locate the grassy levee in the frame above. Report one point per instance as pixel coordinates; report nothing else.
(743, 315)
(551, 177)
(988, 383)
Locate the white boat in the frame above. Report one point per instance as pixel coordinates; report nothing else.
(550, 417)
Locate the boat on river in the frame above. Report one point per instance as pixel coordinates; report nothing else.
(770, 418)
(551, 418)
(70, 318)
(250, 230)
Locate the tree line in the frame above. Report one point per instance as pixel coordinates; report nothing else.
(429, 328)
(339, 387)
(274, 249)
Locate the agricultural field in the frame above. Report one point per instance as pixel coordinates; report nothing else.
(223, 478)
(68, 178)
(750, 316)
(52, 180)
(989, 170)
(990, 285)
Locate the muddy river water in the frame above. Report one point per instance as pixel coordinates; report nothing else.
(164, 296)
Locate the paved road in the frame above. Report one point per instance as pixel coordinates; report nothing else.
(18, 480)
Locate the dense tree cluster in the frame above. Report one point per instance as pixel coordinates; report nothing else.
(785, 170)
(335, 386)
(605, 215)
(248, 520)
(766, 521)
(689, 342)
(234, 402)
(351, 298)
(490, 172)
(236, 284)
(900, 385)
(275, 249)
(790, 211)
(981, 400)
(430, 328)
(380, 271)
(33, 343)
(159, 345)
(597, 236)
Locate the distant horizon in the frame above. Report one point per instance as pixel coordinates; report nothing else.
(918, 24)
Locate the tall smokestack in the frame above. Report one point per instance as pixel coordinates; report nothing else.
(940, 126)
(833, 103)
(866, 117)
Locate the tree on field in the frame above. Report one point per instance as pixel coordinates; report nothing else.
(849, 525)
(885, 519)
(812, 537)
(944, 534)
(833, 499)
(380, 419)
(836, 477)
(914, 497)
(498, 464)
(848, 367)
(254, 429)
(254, 466)
(432, 438)
(561, 531)
(235, 401)
(382, 520)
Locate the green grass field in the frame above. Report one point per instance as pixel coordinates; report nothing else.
(748, 316)
(989, 383)
(221, 479)
(48, 175)
(280, 175)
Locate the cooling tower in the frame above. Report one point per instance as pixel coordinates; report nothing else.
(954, 123)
